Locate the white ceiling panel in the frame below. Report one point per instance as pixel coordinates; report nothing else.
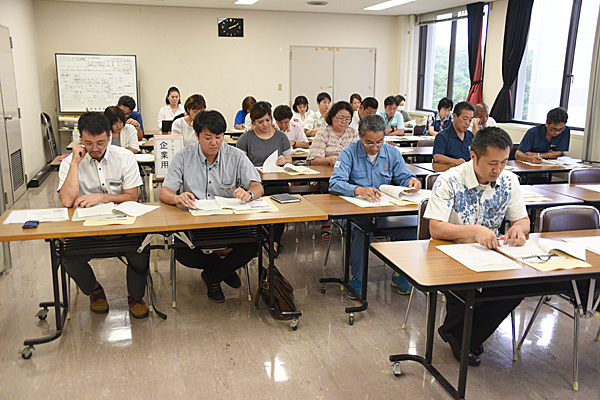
(333, 6)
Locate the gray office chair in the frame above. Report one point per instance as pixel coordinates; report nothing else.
(419, 130)
(565, 218)
(584, 175)
(425, 143)
(430, 180)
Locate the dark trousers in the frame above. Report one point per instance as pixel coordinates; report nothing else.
(217, 268)
(277, 231)
(78, 268)
(487, 316)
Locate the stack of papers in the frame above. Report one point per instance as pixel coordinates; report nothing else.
(224, 205)
(270, 166)
(401, 193)
(44, 215)
(547, 254)
(478, 258)
(301, 151)
(144, 157)
(359, 201)
(529, 197)
(108, 211)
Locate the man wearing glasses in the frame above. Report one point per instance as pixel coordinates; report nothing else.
(361, 168)
(546, 141)
(98, 172)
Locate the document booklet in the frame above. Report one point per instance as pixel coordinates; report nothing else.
(548, 254)
(224, 205)
(44, 215)
(400, 193)
(478, 258)
(270, 166)
(359, 201)
(107, 211)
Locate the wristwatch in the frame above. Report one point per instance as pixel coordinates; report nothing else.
(294, 143)
(252, 195)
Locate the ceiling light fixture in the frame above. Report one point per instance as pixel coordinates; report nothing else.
(387, 4)
(245, 2)
(317, 3)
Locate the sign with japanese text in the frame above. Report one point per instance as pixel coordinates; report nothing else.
(165, 147)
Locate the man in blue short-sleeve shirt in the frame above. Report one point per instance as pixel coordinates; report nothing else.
(361, 168)
(546, 141)
(453, 144)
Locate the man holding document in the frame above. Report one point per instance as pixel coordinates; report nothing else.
(471, 201)
(203, 171)
(361, 168)
(98, 172)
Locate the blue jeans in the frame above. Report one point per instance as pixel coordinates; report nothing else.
(357, 240)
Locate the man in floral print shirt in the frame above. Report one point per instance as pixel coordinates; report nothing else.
(471, 201)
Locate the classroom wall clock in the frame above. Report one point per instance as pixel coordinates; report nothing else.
(231, 27)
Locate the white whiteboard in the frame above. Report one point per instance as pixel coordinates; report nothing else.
(91, 82)
(339, 71)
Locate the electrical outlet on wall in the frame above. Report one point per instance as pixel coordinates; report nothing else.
(279, 87)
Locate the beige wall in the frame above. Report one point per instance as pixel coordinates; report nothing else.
(179, 47)
(17, 15)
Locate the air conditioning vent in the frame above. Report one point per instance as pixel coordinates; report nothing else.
(16, 166)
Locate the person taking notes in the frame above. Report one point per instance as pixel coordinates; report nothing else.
(204, 170)
(472, 201)
(361, 168)
(546, 141)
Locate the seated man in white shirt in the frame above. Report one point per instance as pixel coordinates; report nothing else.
(368, 106)
(482, 118)
(203, 170)
(98, 172)
(470, 201)
(283, 121)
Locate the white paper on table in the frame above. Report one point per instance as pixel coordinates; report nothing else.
(44, 215)
(96, 210)
(205, 205)
(237, 204)
(144, 157)
(392, 138)
(386, 200)
(234, 130)
(294, 168)
(595, 188)
(270, 164)
(544, 163)
(400, 193)
(403, 150)
(135, 209)
(301, 151)
(509, 167)
(478, 258)
(591, 243)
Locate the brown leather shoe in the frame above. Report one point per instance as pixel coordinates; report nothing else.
(138, 309)
(98, 303)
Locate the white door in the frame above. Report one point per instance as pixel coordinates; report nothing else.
(353, 72)
(11, 155)
(311, 73)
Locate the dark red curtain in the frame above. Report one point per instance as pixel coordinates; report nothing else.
(516, 29)
(475, 21)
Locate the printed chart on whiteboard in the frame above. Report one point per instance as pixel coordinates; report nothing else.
(89, 82)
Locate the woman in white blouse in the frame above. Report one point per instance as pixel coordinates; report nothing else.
(122, 134)
(301, 111)
(185, 126)
(173, 107)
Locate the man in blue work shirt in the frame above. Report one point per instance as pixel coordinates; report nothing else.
(546, 141)
(361, 168)
(453, 144)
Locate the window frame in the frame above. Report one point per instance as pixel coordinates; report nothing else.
(567, 76)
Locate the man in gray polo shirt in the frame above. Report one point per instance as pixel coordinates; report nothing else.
(203, 171)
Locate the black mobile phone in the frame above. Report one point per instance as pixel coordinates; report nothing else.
(30, 224)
